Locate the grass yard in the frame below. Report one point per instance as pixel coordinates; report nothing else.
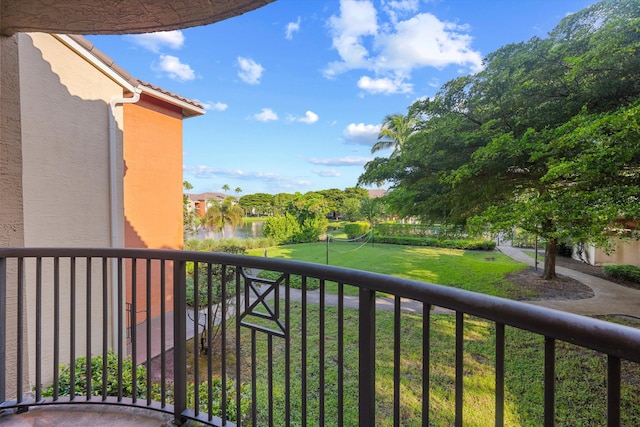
(477, 271)
(580, 387)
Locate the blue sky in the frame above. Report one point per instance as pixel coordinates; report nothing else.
(295, 92)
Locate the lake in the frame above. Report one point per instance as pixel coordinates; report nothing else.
(247, 230)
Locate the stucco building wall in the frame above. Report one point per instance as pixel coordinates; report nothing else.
(152, 190)
(65, 159)
(626, 252)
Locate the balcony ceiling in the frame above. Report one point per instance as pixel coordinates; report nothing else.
(116, 16)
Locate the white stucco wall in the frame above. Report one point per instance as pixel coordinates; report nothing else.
(626, 252)
(65, 150)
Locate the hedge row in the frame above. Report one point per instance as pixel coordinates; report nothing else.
(624, 272)
(475, 245)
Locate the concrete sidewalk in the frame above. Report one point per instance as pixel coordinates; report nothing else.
(609, 298)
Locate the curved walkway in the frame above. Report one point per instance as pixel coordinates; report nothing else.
(609, 298)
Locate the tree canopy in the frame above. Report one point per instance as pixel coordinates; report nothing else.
(545, 137)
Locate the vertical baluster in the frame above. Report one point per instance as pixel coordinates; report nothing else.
(88, 330)
(3, 325)
(287, 351)
(56, 327)
(396, 361)
(499, 374)
(426, 361)
(105, 325)
(148, 323)
(549, 381)
(118, 334)
(340, 354)
(321, 368)
(613, 391)
(270, 376)
(179, 341)
(196, 330)
(38, 329)
(254, 394)
(223, 343)
(20, 316)
(238, 346)
(210, 322)
(367, 357)
(72, 328)
(134, 328)
(459, 366)
(163, 333)
(303, 338)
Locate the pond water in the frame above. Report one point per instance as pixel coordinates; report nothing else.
(248, 230)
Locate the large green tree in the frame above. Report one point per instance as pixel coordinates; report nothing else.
(545, 137)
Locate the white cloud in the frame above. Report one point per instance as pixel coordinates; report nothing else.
(361, 134)
(272, 180)
(217, 106)
(357, 19)
(156, 41)
(393, 49)
(266, 115)
(175, 69)
(425, 41)
(309, 118)
(384, 85)
(250, 71)
(331, 173)
(292, 27)
(340, 161)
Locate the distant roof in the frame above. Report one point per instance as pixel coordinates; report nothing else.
(377, 193)
(189, 107)
(207, 196)
(116, 17)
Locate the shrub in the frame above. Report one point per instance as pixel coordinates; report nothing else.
(64, 382)
(624, 272)
(356, 229)
(472, 245)
(281, 229)
(64, 386)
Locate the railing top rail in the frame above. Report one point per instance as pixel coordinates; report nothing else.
(605, 337)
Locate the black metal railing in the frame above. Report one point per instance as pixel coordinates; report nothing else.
(265, 353)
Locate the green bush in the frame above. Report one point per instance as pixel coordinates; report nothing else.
(281, 229)
(624, 272)
(64, 386)
(472, 245)
(64, 382)
(356, 229)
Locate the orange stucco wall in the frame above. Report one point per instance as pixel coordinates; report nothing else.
(152, 189)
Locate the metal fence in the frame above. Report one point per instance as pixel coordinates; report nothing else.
(269, 354)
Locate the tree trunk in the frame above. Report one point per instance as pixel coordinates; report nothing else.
(550, 259)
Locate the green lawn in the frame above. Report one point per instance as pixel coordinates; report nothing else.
(477, 271)
(580, 387)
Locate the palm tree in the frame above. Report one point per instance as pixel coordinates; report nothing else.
(238, 190)
(219, 215)
(396, 129)
(226, 188)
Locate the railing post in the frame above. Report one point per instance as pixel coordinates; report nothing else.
(3, 326)
(367, 358)
(179, 341)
